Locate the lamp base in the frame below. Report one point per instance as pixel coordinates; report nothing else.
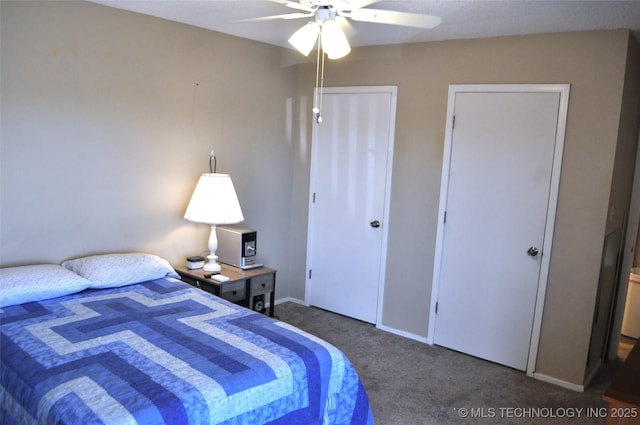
(212, 264)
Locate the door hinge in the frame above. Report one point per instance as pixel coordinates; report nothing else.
(436, 307)
(314, 198)
(310, 273)
(453, 123)
(445, 217)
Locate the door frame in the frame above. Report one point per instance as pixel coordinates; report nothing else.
(393, 91)
(563, 90)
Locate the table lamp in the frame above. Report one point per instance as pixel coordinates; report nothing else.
(214, 201)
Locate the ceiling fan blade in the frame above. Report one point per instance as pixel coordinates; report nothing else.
(395, 18)
(295, 5)
(348, 5)
(295, 15)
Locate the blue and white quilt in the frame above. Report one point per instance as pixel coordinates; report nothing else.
(163, 352)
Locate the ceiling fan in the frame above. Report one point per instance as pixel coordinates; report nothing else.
(326, 28)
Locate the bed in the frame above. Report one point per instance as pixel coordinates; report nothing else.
(89, 342)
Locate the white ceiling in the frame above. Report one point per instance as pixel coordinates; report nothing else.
(460, 19)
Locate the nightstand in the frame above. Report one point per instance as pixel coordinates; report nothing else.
(244, 287)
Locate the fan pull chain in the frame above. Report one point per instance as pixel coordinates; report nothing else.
(319, 120)
(317, 91)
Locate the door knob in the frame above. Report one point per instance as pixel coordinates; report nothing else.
(532, 251)
(375, 224)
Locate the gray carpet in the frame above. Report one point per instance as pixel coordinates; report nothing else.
(411, 383)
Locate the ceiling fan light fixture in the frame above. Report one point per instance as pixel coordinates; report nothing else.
(305, 38)
(333, 40)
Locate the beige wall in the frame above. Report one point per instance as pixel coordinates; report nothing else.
(594, 64)
(108, 118)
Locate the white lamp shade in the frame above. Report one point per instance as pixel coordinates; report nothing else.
(305, 38)
(214, 201)
(334, 42)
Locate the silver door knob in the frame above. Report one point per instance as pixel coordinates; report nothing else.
(375, 224)
(532, 251)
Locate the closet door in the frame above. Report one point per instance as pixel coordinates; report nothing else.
(497, 205)
(350, 181)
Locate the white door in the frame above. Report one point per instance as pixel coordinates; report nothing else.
(497, 201)
(350, 181)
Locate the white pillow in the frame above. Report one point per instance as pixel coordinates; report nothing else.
(113, 270)
(37, 282)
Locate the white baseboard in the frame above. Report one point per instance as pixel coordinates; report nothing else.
(289, 300)
(402, 333)
(559, 382)
(381, 327)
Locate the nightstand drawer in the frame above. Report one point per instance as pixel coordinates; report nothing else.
(244, 287)
(235, 291)
(262, 284)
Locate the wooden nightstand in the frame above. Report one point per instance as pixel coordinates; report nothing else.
(244, 287)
